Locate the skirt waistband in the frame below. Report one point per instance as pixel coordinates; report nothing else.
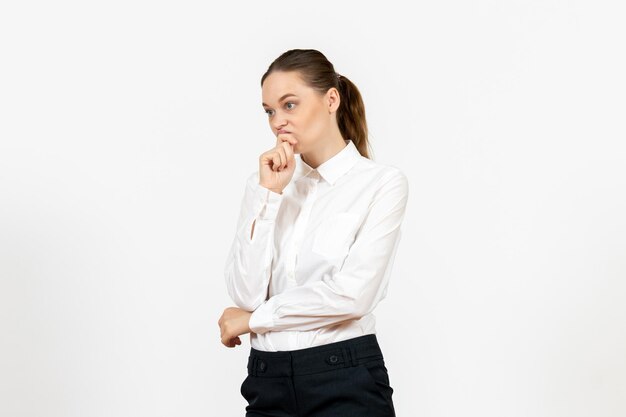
(350, 352)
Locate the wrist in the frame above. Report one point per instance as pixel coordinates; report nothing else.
(277, 191)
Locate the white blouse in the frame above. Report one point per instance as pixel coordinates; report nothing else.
(321, 255)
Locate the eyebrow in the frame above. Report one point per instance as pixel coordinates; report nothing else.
(282, 98)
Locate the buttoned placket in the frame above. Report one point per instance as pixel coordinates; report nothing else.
(312, 182)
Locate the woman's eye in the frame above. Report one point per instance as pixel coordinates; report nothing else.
(269, 112)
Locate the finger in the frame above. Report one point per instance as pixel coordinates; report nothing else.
(267, 158)
(276, 160)
(283, 156)
(288, 153)
(286, 139)
(226, 341)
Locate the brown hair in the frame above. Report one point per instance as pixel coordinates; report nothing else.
(319, 74)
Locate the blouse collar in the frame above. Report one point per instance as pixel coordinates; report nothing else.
(331, 169)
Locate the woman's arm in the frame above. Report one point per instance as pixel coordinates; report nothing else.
(249, 262)
(362, 282)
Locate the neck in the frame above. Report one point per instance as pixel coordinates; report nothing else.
(321, 154)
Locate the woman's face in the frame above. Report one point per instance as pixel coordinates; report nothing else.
(297, 109)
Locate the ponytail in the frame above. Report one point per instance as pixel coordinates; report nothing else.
(351, 115)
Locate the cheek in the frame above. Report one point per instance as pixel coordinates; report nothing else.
(308, 126)
(315, 122)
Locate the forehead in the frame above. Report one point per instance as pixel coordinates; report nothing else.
(279, 83)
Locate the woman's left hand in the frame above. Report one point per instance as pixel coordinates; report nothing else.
(233, 322)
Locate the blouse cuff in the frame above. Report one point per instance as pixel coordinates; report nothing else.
(269, 201)
(261, 319)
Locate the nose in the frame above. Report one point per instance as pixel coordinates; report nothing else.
(279, 123)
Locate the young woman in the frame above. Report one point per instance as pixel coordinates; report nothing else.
(316, 237)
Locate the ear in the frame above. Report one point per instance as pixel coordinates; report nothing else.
(333, 99)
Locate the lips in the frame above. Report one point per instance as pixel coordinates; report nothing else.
(283, 131)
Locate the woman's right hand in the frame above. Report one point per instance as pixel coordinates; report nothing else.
(276, 166)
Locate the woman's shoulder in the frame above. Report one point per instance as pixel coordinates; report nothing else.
(383, 173)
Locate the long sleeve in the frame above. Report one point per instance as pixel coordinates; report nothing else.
(249, 263)
(356, 289)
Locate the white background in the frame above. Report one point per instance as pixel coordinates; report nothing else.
(127, 130)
